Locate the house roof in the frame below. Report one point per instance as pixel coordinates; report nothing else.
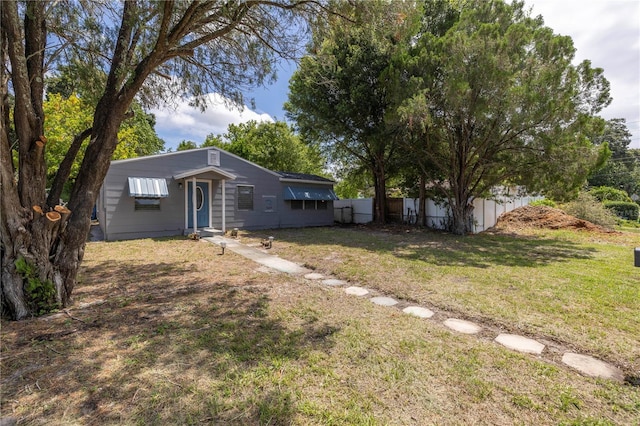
(308, 193)
(303, 177)
(213, 169)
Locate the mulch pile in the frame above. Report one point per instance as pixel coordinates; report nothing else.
(542, 217)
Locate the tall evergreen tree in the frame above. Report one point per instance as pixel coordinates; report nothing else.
(496, 100)
(339, 96)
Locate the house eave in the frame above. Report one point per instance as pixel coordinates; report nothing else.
(306, 181)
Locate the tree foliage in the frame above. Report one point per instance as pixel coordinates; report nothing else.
(148, 51)
(339, 96)
(622, 169)
(69, 117)
(274, 146)
(496, 100)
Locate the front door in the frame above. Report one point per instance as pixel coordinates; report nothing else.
(202, 204)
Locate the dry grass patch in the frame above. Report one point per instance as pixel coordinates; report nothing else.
(170, 332)
(579, 289)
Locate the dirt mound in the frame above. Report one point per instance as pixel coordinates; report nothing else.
(542, 217)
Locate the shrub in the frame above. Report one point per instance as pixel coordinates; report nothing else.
(41, 295)
(544, 202)
(623, 209)
(587, 207)
(607, 193)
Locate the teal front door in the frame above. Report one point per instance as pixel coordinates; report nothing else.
(202, 204)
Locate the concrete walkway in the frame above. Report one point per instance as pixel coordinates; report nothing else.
(584, 364)
(259, 256)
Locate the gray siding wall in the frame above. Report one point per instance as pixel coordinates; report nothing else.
(119, 219)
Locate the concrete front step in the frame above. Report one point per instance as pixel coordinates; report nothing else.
(210, 232)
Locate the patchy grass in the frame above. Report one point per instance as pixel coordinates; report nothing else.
(170, 332)
(577, 288)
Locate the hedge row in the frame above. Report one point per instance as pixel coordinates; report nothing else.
(623, 209)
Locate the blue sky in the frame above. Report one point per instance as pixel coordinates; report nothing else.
(605, 31)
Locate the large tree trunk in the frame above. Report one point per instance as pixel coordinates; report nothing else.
(380, 198)
(422, 203)
(49, 241)
(41, 246)
(461, 213)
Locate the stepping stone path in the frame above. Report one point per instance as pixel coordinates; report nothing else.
(418, 311)
(384, 301)
(462, 326)
(314, 276)
(520, 343)
(585, 364)
(356, 291)
(592, 367)
(333, 282)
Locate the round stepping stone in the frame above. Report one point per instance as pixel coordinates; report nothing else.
(418, 311)
(333, 282)
(356, 291)
(462, 326)
(520, 343)
(592, 367)
(384, 301)
(314, 276)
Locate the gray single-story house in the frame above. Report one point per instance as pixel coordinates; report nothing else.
(154, 196)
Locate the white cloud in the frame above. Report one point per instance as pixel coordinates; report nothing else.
(188, 123)
(607, 32)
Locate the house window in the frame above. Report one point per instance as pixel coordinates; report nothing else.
(199, 198)
(147, 203)
(308, 205)
(245, 197)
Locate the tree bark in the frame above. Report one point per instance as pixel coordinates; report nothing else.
(422, 203)
(380, 198)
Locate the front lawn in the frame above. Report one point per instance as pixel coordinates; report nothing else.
(171, 332)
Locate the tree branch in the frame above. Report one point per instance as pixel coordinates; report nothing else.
(65, 168)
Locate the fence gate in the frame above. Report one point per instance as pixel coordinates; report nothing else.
(394, 210)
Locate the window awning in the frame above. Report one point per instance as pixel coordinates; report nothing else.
(309, 193)
(148, 187)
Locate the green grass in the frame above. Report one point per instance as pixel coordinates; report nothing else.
(186, 336)
(580, 288)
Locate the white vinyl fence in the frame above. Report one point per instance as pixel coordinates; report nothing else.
(485, 213)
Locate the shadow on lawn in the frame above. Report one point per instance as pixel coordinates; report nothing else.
(168, 350)
(476, 251)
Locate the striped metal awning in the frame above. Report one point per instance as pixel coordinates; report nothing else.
(309, 193)
(148, 187)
